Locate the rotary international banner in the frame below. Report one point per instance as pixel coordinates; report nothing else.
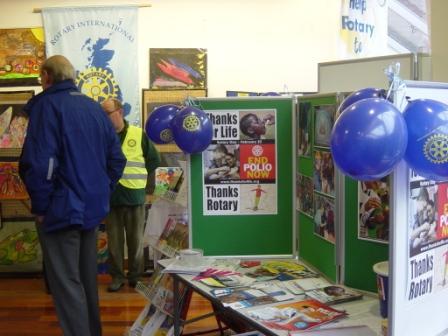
(101, 43)
(363, 30)
(239, 167)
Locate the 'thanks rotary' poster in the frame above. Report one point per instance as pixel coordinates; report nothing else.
(428, 238)
(239, 167)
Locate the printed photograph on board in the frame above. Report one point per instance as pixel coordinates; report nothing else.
(373, 217)
(323, 173)
(304, 129)
(424, 214)
(305, 194)
(323, 124)
(221, 162)
(257, 125)
(324, 218)
(258, 199)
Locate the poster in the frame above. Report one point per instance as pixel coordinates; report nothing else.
(177, 68)
(373, 216)
(239, 167)
(428, 238)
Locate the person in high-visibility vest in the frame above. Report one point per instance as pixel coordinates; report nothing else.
(127, 214)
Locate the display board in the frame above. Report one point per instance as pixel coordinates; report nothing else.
(337, 248)
(316, 228)
(418, 289)
(265, 229)
(369, 72)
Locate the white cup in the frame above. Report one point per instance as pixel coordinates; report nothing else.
(191, 257)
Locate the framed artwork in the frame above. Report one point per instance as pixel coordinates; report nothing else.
(20, 250)
(13, 121)
(324, 217)
(373, 216)
(305, 194)
(304, 129)
(177, 68)
(22, 51)
(323, 173)
(11, 186)
(323, 124)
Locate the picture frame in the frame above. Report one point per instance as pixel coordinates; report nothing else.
(22, 52)
(13, 121)
(177, 68)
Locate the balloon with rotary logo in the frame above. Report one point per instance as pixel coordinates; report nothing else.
(427, 151)
(192, 130)
(158, 125)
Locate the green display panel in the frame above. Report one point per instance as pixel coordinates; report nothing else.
(315, 247)
(243, 234)
(360, 255)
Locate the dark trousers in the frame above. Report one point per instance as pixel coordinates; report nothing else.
(71, 269)
(129, 220)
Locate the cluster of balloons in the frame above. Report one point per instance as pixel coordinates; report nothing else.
(189, 127)
(371, 136)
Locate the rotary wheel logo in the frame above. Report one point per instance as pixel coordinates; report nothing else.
(166, 135)
(97, 83)
(257, 150)
(191, 123)
(436, 148)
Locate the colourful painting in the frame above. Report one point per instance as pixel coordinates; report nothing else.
(178, 68)
(22, 51)
(19, 247)
(13, 120)
(11, 186)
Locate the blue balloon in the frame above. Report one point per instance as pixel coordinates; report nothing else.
(368, 139)
(157, 126)
(192, 130)
(360, 95)
(427, 152)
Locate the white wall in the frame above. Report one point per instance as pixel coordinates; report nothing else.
(253, 45)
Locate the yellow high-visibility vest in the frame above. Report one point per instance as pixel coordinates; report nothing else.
(135, 174)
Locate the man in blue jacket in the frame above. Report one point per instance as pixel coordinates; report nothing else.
(70, 163)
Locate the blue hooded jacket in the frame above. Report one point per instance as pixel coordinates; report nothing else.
(71, 158)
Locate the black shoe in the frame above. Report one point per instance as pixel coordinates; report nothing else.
(115, 286)
(132, 283)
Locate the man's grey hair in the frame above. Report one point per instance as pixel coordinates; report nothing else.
(59, 68)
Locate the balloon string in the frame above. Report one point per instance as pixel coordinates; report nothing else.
(396, 83)
(432, 132)
(190, 101)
